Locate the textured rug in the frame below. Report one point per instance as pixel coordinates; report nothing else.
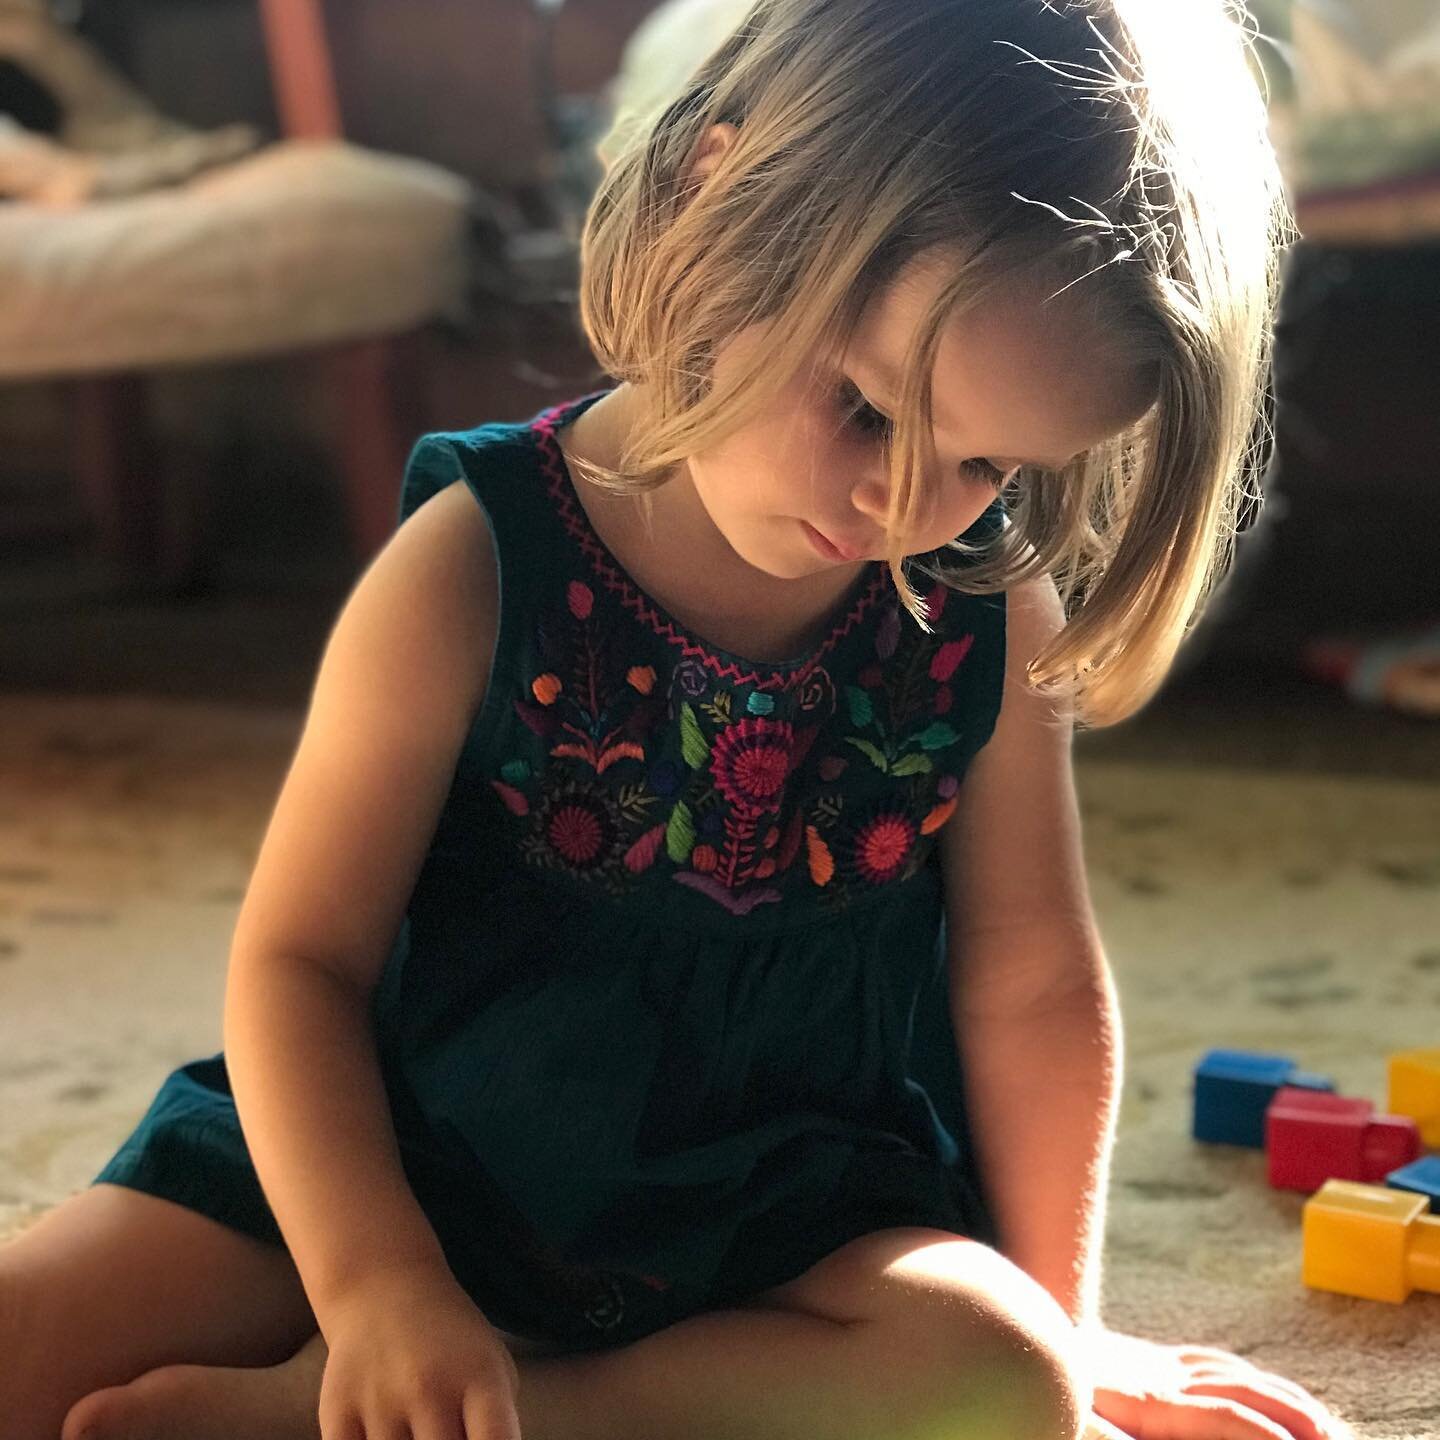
(1296, 913)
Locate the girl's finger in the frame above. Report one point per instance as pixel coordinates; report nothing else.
(1197, 1354)
(348, 1427)
(1156, 1418)
(1305, 1421)
(434, 1424)
(1097, 1428)
(1237, 1416)
(483, 1422)
(1243, 1374)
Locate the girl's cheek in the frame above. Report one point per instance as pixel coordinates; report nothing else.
(947, 509)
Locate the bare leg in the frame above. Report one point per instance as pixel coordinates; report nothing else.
(752, 1373)
(727, 1375)
(113, 1283)
(202, 1402)
(780, 1375)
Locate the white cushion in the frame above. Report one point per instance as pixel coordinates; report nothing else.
(302, 243)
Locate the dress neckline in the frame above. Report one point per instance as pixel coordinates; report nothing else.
(763, 674)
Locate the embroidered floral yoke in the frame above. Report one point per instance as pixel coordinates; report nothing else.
(666, 1021)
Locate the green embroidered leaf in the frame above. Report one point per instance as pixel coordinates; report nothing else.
(858, 702)
(692, 739)
(680, 833)
(912, 765)
(516, 771)
(937, 736)
(868, 750)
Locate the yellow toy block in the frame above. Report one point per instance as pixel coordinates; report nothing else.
(1369, 1241)
(1415, 1091)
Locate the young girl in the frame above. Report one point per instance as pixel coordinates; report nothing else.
(667, 1002)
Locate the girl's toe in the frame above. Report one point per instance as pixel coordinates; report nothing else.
(101, 1415)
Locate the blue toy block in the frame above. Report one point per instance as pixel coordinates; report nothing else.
(1234, 1088)
(1422, 1176)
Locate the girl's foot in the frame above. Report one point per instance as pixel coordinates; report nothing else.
(201, 1402)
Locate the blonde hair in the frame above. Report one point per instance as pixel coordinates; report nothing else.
(1113, 152)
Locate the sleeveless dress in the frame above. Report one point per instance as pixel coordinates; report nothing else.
(666, 1020)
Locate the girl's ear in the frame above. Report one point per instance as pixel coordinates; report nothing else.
(713, 144)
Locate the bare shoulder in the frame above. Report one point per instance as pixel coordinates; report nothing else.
(426, 608)
(404, 671)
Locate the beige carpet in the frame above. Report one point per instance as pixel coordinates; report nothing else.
(1295, 913)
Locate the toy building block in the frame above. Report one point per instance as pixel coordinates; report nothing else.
(1369, 1241)
(1415, 1091)
(1312, 1137)
(1423, 1178)
(1233, 1089)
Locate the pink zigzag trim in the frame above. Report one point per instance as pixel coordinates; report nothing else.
(577, 523)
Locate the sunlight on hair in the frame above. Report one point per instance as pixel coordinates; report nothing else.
(1112, 155)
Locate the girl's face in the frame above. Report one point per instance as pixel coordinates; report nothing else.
(801, 489)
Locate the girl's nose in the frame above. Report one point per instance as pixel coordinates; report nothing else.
(871, 497)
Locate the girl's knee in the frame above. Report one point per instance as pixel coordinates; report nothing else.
(1030, 1394)
(997, 1382)
(990, 1345)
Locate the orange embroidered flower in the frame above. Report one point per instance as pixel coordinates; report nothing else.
(545, 688)
(642, 677)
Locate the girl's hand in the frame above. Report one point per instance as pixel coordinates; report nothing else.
(1148, 1391)
(410, 1354)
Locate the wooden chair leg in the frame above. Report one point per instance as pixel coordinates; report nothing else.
(381, 413)
(148, 546)
(113, 460)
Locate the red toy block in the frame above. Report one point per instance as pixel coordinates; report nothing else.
(1312, 1137)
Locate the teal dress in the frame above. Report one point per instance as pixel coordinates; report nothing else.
(666, 1020)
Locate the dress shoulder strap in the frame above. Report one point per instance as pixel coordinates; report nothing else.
(502, 463)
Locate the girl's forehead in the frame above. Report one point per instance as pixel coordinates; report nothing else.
(1018, 378)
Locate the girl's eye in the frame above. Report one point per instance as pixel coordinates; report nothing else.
(983, 470)
(861, 415)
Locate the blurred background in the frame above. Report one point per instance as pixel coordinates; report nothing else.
(250, 249)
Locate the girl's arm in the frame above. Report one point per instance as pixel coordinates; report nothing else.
(404, 672)
(1034, 1007)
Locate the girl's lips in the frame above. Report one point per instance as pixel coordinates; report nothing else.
(827, 547)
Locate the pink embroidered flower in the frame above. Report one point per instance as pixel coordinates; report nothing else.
(882, 845)
(574, 830)
(578, 827)
(750, 762)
